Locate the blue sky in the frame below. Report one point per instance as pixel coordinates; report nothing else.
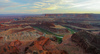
(49, 6)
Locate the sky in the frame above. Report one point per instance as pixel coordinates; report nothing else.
(49, 6)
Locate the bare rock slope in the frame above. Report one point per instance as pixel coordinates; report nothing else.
(89, 42)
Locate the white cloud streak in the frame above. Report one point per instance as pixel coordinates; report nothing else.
(50, 5)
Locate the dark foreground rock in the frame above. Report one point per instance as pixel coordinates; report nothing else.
(89, 42)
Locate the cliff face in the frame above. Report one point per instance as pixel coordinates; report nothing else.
(89, 42)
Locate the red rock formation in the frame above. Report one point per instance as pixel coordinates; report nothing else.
(7, 49)
(3, 20)
(39, 44)
(55, 52)
(1, 38)
(8, 27)
(10, 31)
(82, 25)
(24, 29)
(46, 46)
(12, 48)
(47, 24)
(1, 25)
(15, 43)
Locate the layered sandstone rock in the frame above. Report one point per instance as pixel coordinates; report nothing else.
(89, 42)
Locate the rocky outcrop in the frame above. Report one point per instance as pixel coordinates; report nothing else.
(1, 38)
(44, 46)
(89, 42)
(15, 43)
(1, 25)
(12, 48)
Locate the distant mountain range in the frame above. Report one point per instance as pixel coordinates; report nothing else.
(95, 16)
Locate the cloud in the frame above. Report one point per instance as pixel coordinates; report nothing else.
(53, 4)
(35, 7)
(50, 5)
(54, 7)
(87, 5)
(7, 3)
(71, 5)
(35, 10)
(49, 1)
(24, 7)
(40, 4)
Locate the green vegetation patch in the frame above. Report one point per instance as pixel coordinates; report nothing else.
(48, 32)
